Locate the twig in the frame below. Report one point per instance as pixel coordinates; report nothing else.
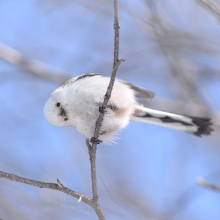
(114, 72)
(91, 202)
(95, 140)
(40, 184)
(95, 199)
(203, 183)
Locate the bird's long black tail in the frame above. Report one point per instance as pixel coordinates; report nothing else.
(194, 125)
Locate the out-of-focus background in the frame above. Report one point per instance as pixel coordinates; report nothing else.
(170, 47)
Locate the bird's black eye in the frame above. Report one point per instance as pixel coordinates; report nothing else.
(58, 104)
(65, 119)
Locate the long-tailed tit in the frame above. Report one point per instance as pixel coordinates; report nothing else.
(76, 104)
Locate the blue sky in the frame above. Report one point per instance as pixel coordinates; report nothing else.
(150, 168)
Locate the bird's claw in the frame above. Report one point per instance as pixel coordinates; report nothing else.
(95, 140)
(102, 110)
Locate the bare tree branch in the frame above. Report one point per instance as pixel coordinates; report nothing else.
(95, 199)
(40, 184)
(203, 183)
(94, 203)
(95, 140)
(32, 66)
(114, 72)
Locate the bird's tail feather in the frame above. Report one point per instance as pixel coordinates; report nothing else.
(194, 125)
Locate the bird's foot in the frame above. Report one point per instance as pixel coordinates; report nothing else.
(95, 140)
(102, 110)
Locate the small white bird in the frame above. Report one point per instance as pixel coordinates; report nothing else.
(76, 104)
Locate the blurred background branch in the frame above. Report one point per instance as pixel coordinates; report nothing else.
(32, 66)
(211, 6)
(173, 43)
(203, 183)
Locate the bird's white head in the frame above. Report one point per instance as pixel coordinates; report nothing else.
(56, 109)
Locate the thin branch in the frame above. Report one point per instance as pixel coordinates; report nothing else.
(95, 199)
(95, 140)
(94, 203)
(32, 66)
(113, 76)
(92, 154)
(53, 186)
(203, 183)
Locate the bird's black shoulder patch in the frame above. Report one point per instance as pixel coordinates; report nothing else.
(73, 80)
(86, 75)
